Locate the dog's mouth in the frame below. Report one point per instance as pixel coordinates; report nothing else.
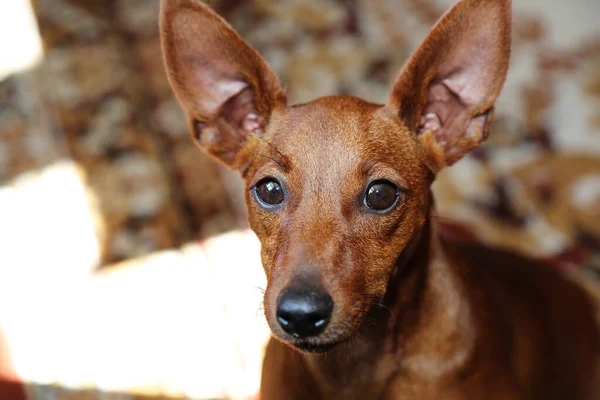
(312, 346)
(320, 344)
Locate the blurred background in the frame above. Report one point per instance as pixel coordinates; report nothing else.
(126, 267)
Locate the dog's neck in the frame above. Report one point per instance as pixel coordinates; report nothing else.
(424, 327)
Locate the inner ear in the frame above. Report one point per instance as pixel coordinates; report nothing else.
(229, 133)
(241, 112)
(448, 115)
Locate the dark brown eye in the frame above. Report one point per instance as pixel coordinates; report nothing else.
(268, 192)
(381, 195)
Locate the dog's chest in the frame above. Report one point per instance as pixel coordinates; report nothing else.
(387, 376)
(357, 372)
(385, 382)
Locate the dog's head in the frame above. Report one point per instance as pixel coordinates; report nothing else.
(337, 188)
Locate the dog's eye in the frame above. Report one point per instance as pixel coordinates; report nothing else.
(268, 192)
(381, 195)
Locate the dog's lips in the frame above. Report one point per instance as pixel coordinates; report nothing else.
(314, 344)
(309, 346)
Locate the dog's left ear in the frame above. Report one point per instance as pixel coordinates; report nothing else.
(225, 86)
(446, 91)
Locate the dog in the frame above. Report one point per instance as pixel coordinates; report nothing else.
(365, 299)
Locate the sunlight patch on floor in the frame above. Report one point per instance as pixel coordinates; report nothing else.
(19, 37)
(184, 322)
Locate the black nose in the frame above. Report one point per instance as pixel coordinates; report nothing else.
(304, 313)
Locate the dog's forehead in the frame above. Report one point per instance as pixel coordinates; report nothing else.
(324, 126)
(340, 133)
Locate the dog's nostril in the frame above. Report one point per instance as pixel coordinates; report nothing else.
(304, 313)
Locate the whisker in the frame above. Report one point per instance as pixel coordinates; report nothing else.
(274, 160)
(271, 145)
(261, 289)
(261, 309)
(360, 337)
(381, 305)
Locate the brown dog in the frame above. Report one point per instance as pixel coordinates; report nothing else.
(338, 194)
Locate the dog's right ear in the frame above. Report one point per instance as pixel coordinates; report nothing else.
(225, 86)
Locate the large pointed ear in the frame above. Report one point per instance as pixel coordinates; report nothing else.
(446, 91)
(226, 88)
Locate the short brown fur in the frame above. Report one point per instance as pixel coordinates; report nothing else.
(416, 315)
